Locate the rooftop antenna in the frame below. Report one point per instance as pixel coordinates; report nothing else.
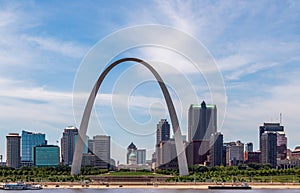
(280, 115)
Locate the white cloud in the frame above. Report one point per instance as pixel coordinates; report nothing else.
(69, 49)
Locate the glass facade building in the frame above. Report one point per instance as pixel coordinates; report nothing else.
(162, 131)
(29, 141)
(202, 121)
(46, 155)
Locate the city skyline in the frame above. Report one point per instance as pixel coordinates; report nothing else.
(254, 44)
(100, 147)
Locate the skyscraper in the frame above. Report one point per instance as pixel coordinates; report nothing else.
(216, 149)
(269, 148)
(101, 149)
(29, 141)
(165, 150)
(275, 127)
(68, 142)
(13, 142)
(162, 131)
(281, 139)
(141, 156)
(202, 121)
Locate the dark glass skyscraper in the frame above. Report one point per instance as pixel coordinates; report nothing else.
(269, 148)
(216, 149)
(269, 127)
(29, 141)
(202, 121)
(162, 131)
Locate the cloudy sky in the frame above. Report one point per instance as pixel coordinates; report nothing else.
(256, 45)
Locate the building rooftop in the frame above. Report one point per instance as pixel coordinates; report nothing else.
(199, 106)
(131, 146)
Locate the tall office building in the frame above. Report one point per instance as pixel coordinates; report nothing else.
(13, 142)
(162, 131)
(46, 155)
(202, 121)
(141, 156)
(68, 142)
(274, 127)
(216, 149)
(234, 153)
(29, 141)
(101, 149)
(269, 148)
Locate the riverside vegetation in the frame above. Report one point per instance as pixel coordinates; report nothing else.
(243, 173)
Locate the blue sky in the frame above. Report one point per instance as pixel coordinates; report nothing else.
(256, 45)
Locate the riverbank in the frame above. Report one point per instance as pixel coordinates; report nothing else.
(163, 185)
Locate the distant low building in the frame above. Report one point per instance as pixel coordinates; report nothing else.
(134, 167)
(293, 158)
(234, 153)
(253, 157)
(88, 159)
(197, 152)
(46, 155)
(166, 156)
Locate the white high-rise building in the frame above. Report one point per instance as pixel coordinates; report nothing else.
(101, 149)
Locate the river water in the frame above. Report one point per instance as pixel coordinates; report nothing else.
(126, 190)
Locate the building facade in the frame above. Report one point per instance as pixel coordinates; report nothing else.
(216, 149)
(46, 155)
(131, 153)
(273, 127)
(101, 149)
(202, 121)
(197, 152)
(253, 157)
(166, 156)
(269, 148)
(13, 146)
(248, 148)
(68, 142)
(281, 146)
(141, 156)
(162, 131)
(234, 153)
(29, 141)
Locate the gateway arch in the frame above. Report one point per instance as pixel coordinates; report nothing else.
(77, 157)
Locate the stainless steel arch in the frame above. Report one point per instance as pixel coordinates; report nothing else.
(77, 157)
